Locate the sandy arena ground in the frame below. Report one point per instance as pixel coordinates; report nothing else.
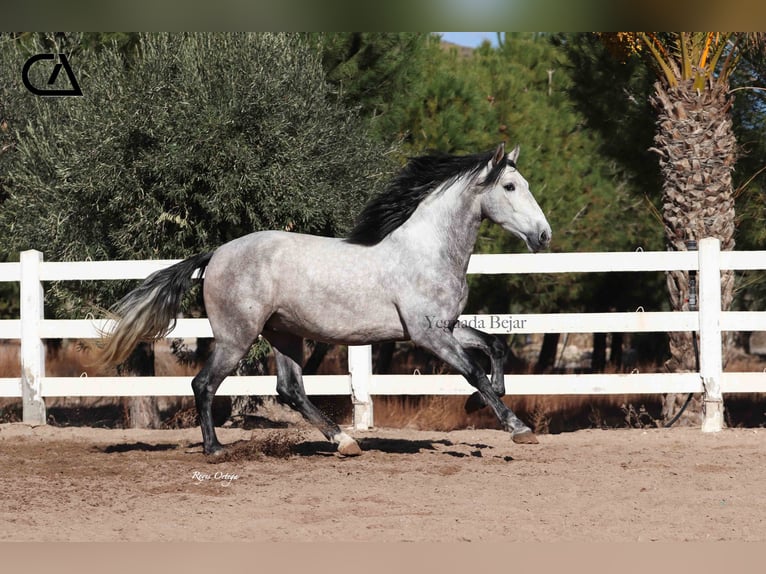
(88, 484)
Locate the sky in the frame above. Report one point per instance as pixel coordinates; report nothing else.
(470, 39)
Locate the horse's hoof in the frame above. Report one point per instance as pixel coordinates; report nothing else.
(526, 437)
(474, 403)
(349, 447)
(215, 452)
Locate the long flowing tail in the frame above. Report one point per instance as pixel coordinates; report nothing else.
(149, 311)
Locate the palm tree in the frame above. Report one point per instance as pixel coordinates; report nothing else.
(696, 146)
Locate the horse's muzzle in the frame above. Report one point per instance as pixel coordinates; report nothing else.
(539, 241)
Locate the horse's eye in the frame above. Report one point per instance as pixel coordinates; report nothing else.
(509, 186)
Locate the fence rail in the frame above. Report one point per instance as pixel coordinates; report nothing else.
(32, 328)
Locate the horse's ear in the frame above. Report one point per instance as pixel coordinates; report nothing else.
(499, 155)
(514, 155)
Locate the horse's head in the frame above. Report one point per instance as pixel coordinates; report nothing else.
(507, 201)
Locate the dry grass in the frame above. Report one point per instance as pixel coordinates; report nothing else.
(544, 414)
(9, 360)
(70, 360)
(440, 413)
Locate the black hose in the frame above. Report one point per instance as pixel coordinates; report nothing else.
(691, 245)
(689, 397)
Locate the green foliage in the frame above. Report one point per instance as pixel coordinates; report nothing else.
(375, 71)
(125, 42)
(9, 300)
(613, 97)
(750, 174)
(188, 142)
(448, 110)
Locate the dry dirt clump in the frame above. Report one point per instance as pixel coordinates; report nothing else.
(273, 444)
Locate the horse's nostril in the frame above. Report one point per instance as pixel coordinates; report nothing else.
(544, 237)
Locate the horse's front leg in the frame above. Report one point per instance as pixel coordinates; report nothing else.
(496, 349)
(445, 345)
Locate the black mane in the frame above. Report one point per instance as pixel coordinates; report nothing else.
(417, 179)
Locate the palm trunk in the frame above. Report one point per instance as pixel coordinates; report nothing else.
(141, 412)
(696, 145)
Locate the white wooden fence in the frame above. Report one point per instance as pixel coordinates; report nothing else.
(32, 328)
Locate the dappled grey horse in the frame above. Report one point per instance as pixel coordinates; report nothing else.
(400, 272)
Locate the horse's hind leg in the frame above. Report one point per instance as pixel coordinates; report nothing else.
(496, 348)
(288, 350)
(221, 363)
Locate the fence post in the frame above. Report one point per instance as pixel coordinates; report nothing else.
(360, 371)
(32, 346)
(711, 354)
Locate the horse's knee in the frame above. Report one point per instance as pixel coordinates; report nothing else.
(201, 388)
(283, 395)
(198, 387)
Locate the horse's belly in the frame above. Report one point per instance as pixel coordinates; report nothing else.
(346, 325)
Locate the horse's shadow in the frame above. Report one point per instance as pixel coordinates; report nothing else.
(314, 448)
(397, 446)
(137, 446)
(384, 445)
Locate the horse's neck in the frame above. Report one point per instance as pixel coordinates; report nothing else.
(444, 228)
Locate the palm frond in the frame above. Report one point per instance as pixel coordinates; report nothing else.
(660, 56)
(702, 57)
